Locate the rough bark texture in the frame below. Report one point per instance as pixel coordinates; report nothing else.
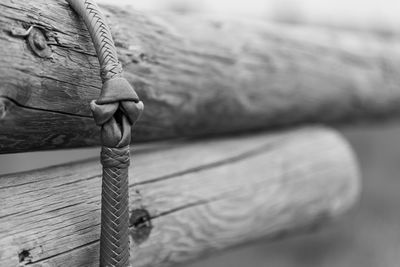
(196, 75)
(187, 199)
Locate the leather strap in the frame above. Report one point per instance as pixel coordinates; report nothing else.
(116, 111)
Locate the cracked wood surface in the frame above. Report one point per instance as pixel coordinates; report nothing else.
(202, 197)
(196, 75)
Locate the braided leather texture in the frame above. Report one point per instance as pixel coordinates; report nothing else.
(114, 238)
(116, 111)
(101, 36)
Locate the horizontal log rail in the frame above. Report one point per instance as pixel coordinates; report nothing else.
(187, 199)
(196, 75)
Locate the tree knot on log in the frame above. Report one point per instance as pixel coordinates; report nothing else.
(141, 226)
(116, 110)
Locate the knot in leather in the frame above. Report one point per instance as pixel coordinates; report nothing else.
(112, 157)
(116, 110)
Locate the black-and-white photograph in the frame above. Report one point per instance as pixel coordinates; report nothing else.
(200, 133)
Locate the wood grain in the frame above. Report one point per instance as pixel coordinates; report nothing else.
(197, 75)
(201, 197)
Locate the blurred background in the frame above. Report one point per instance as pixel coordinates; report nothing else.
(368, 235)
(382, 15)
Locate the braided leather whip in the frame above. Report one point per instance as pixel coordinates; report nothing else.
(116, 110)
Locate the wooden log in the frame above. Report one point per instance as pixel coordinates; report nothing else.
(196, 75)
(186, 199)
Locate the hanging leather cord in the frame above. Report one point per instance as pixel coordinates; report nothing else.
(116, 110)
